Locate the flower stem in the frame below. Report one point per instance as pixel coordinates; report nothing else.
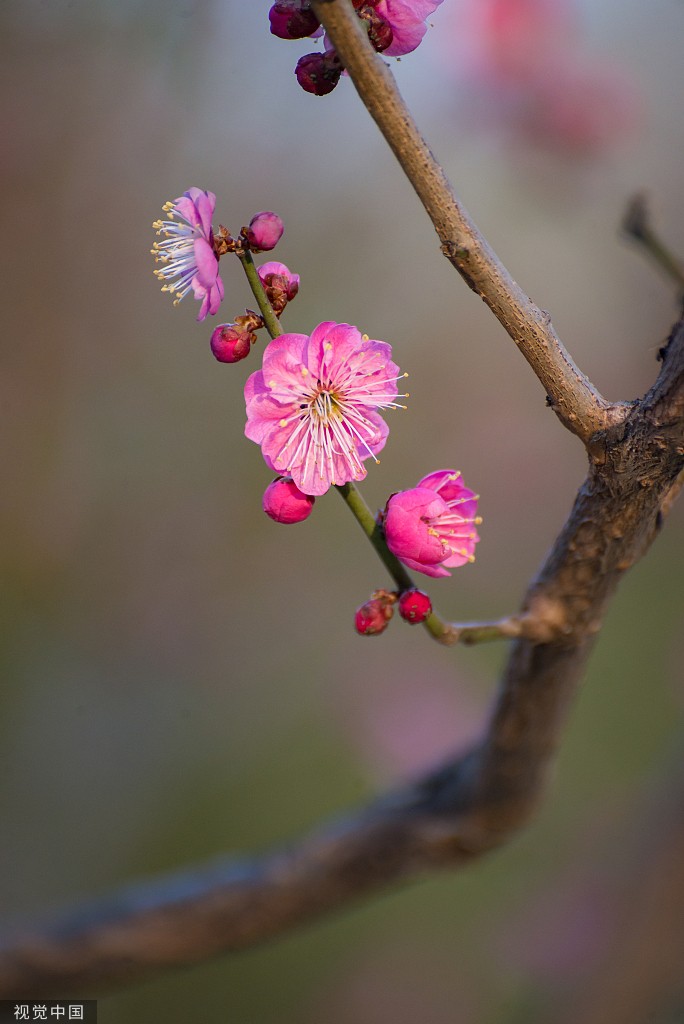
(265, 308)
(363, 515)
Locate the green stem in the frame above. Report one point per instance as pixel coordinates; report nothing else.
(265, 308)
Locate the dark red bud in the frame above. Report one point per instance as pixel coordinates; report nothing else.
(229, 344)
(292, 19)
(319, 73)
(373, 616)
(414, 606)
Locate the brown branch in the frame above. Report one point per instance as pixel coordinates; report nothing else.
(448, 818)
(575, 400)
(637, 225)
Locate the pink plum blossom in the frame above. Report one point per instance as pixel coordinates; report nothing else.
(188, 250)
(313, 407)
(432, 526)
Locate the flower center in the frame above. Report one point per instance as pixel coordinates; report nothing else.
(326, 405)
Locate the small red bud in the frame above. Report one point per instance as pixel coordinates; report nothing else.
(318, 73)
(230, 344)
(373, 616)
(414, 606)
(292, 19)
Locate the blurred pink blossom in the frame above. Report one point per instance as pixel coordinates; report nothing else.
(313, 405)
(532, 78)
(188, 250)
(432, 526)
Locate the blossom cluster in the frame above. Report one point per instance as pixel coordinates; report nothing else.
(315, 406)
(395, 27)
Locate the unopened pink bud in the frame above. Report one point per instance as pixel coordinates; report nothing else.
(373, 616)
(264, 231)
(230, 344)
(285, 503)
(319, 73)
(292, 19)
(414, 606)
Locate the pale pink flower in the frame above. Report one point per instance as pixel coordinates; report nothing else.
(432, 526)
(313, 405)
(188, 250)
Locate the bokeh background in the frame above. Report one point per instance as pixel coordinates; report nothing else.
(180, 674)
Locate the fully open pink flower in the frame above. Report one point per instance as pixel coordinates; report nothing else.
(188, 250)
(432, 526)
(313, 405)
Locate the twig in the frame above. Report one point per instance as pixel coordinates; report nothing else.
(449, 817)
(575, 400)
(637, 225)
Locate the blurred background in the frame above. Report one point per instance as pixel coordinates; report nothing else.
(180, 674)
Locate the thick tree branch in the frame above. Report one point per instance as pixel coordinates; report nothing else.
(453, 815)
(577, 403)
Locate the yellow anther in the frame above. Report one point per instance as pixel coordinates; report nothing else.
(477, 520)
(365, 337)
(305, 372)
(327, 346)
(271, 383)
(283, 423)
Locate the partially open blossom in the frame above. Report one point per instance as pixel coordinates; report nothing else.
(414, 606)
(292, 19)
(373, 616)
(279, 283)
(188, 250)
(265, 231)
(406, 19)
(285, 503)
(432, 526)
(319, 73)
(313, 407)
